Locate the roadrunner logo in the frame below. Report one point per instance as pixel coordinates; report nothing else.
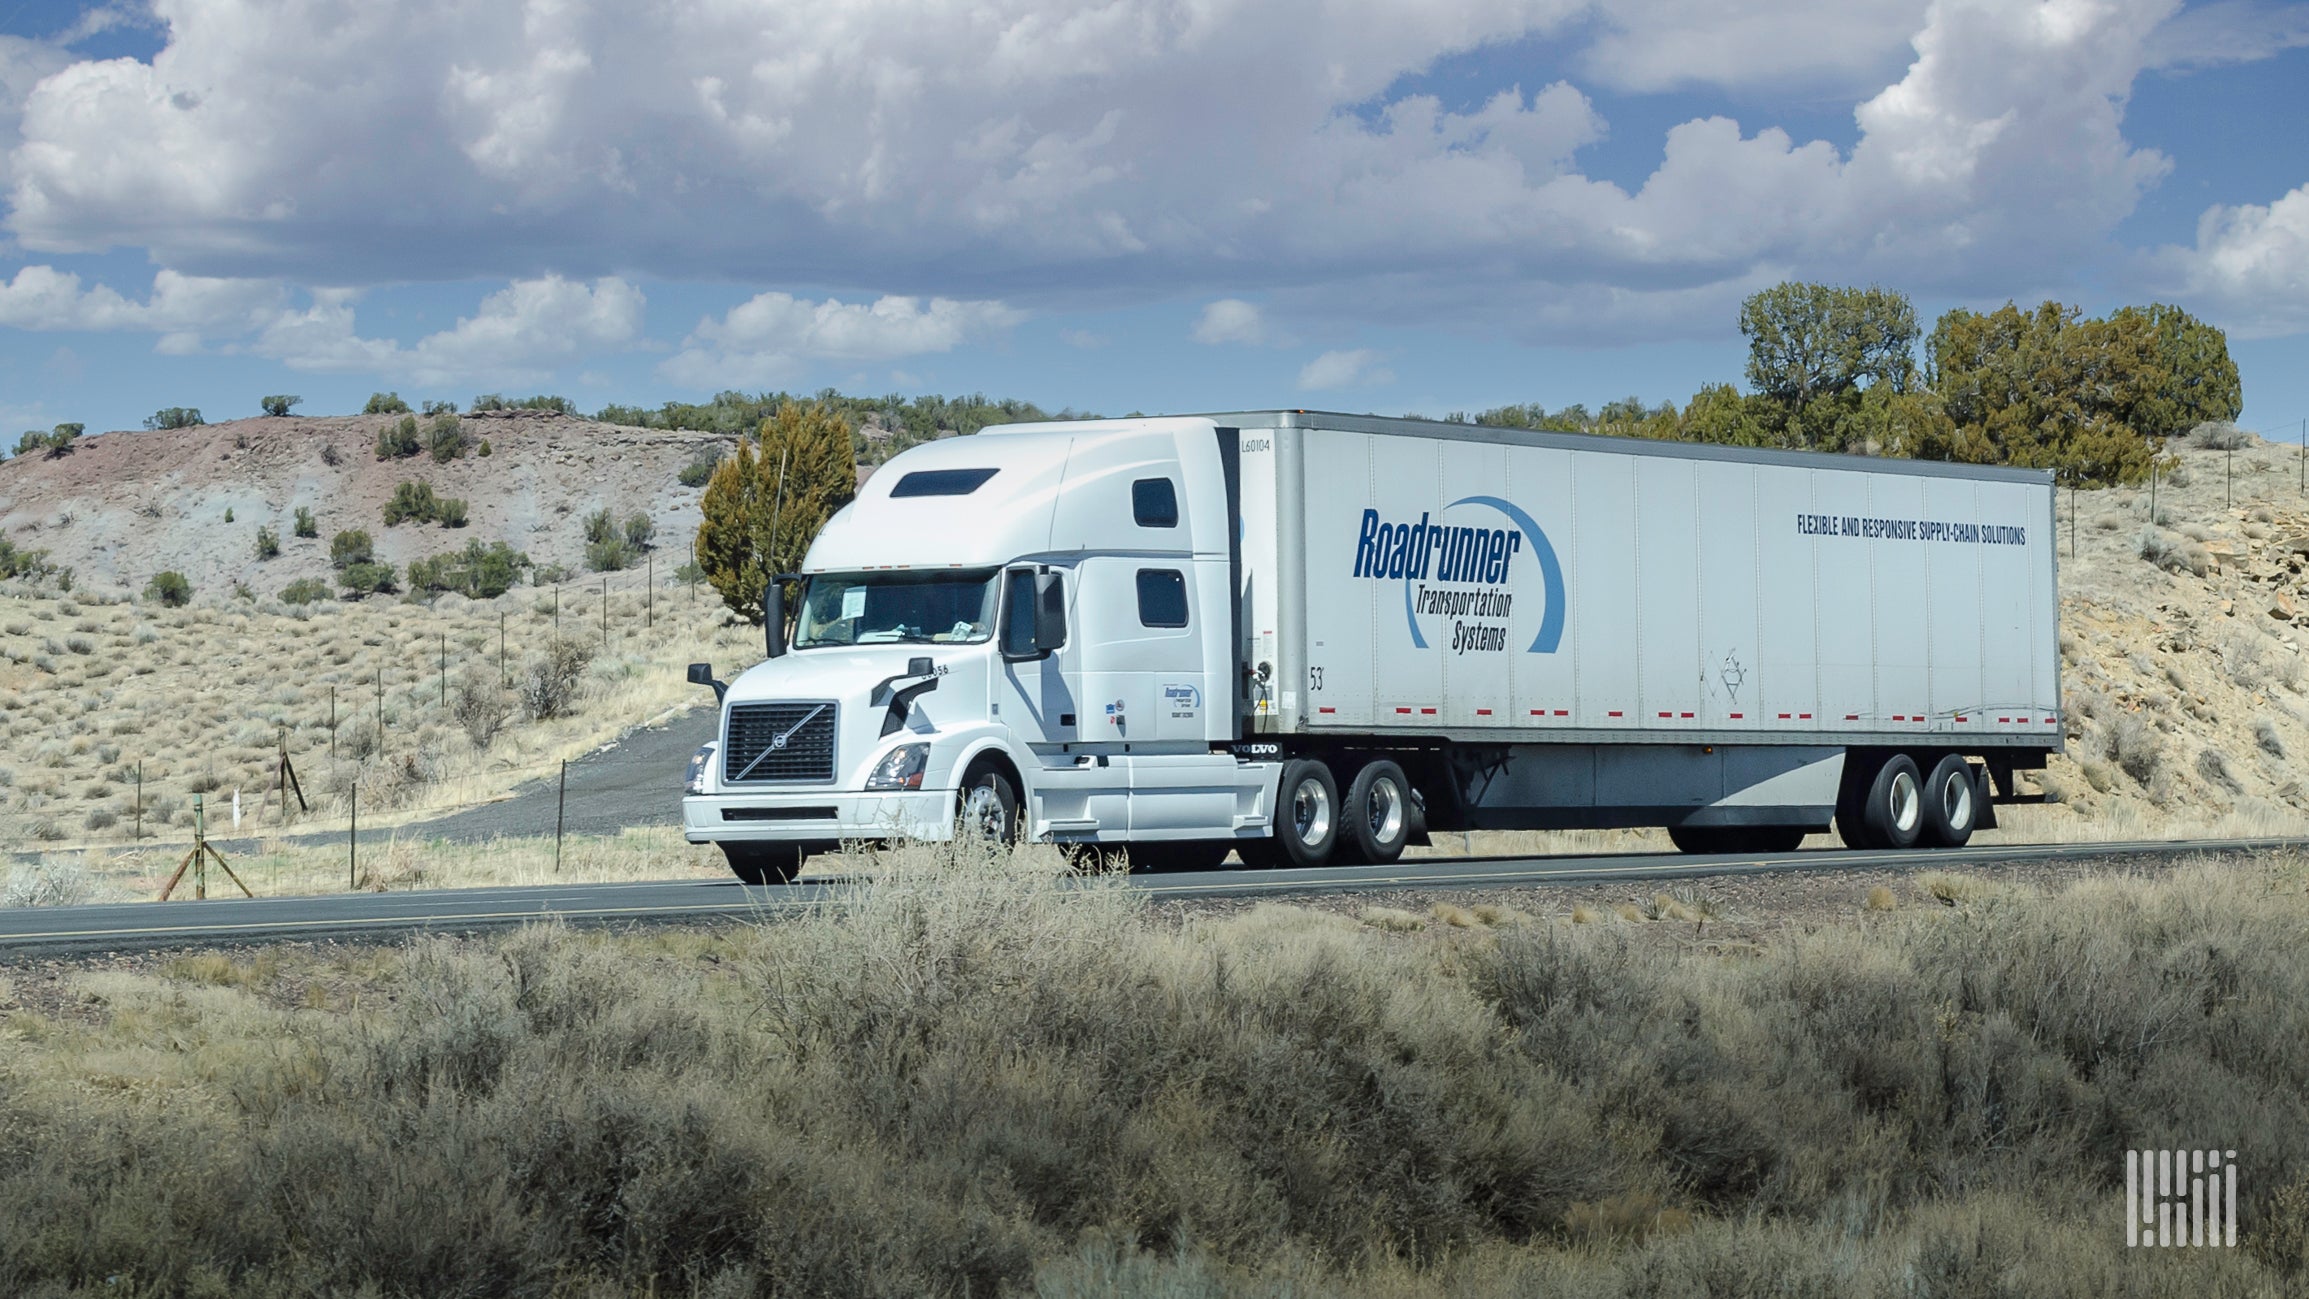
(1463, 573)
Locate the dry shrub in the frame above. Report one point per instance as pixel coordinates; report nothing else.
(481, 706)
(1394, 918)
(2136, 747)
(549, 681)
(970, 1074)
(2174, 554)
(47, 882)
(2265, 734)
(1880, 899)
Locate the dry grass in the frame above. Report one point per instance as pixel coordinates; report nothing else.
(963, 1079)
(200, 696)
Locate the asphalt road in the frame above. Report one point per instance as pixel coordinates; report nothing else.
(151, 924)
(633, 782)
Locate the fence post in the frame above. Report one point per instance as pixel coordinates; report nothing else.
(560, 804)
(353, 845)
(332, 724)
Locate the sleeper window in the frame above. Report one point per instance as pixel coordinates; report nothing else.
(1154, 503)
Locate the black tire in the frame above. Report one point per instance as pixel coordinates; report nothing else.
(1951, 803)
(765, 863)
(1180, 855)
(987, 807)
(1894, 810)
(1740, 839)
(1378, 814)
(1306, 813)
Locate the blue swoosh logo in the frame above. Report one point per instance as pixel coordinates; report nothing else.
(1550, 574)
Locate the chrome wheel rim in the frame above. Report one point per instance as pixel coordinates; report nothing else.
(1907, 803)
(1383, 811)
(1311, 812)
(982, 813)
(1956, 802)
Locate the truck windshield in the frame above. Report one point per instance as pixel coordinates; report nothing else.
(887, 608)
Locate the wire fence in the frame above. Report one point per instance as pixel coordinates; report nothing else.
(563, 668)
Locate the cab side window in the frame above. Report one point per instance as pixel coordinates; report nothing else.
(1162, 597)
(1154, 503)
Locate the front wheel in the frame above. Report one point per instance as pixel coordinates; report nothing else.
(989, 808)
(1307, 813)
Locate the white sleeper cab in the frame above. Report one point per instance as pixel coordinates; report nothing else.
(1306, 638)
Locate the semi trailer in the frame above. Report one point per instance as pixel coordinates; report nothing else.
(1304, 638)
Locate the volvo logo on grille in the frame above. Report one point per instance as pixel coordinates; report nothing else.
(780, 742)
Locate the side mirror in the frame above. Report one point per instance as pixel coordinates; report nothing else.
(773, 619)
(702, 674)
(1049, 612)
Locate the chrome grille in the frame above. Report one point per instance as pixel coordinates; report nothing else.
(779, 742)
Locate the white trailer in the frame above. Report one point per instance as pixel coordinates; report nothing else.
(1308, 637)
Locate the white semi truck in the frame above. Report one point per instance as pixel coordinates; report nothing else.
(1307, 638)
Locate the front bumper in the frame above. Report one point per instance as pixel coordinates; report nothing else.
(794, 817)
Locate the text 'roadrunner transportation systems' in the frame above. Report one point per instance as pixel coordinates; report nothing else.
(1304, 637)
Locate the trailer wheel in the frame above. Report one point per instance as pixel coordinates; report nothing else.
(1894, 810)
(1378, 813)
(765, 863)
(989, 808)
(1951, 803)
(1307, 813)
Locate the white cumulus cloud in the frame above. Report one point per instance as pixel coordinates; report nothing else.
(767, 338)
(2250, 265)
(517, 335)
(1346, 368)
(1035, 152)
(1230, 320)
(184, 306)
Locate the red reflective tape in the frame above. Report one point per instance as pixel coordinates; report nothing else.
(1566, 712)
(1483, 712)
(1735, 716)
(2005, 721)
(1898, 718)
(1687, 714)
(1961, 719)
(1614, 713)
(2052, 721)
(1667, 714)
(1403, 710)
(1427, 712)
(1786, 716)
(1804, 717)
(1326, 710)
(1539, 712)
(1851, 717)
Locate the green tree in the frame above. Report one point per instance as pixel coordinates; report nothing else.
(305, 525)
(366, 579)
(173, 417)
(399, 439)
(2052, 389)
(305, 590)
(279, 404)
(169, 588)
(268, 544)
(2199, 379)
(764, 504)
(1805, 340)
(385, 403)
(478, 571)
(350, 547)
(445, 437)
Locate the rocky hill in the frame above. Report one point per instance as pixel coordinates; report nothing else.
(120, 507)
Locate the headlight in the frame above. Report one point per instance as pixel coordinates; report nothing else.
(700, 763)
(900, 768)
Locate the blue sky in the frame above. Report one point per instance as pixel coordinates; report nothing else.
(1146, 205)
